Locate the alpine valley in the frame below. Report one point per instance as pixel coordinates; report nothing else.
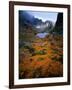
(40, 46)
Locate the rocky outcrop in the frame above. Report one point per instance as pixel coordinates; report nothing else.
(58, 29)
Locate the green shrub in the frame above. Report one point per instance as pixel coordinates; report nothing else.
(40, 59)
(41, 52)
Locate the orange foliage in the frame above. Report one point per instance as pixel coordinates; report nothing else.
(47, 65)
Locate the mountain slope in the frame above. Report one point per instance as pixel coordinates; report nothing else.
(29, 20)
(58, 29)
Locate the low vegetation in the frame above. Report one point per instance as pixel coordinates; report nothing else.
(41, 58)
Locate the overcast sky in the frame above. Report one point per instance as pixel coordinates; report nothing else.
(44, 15)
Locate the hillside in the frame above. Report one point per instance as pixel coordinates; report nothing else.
(42, 59)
